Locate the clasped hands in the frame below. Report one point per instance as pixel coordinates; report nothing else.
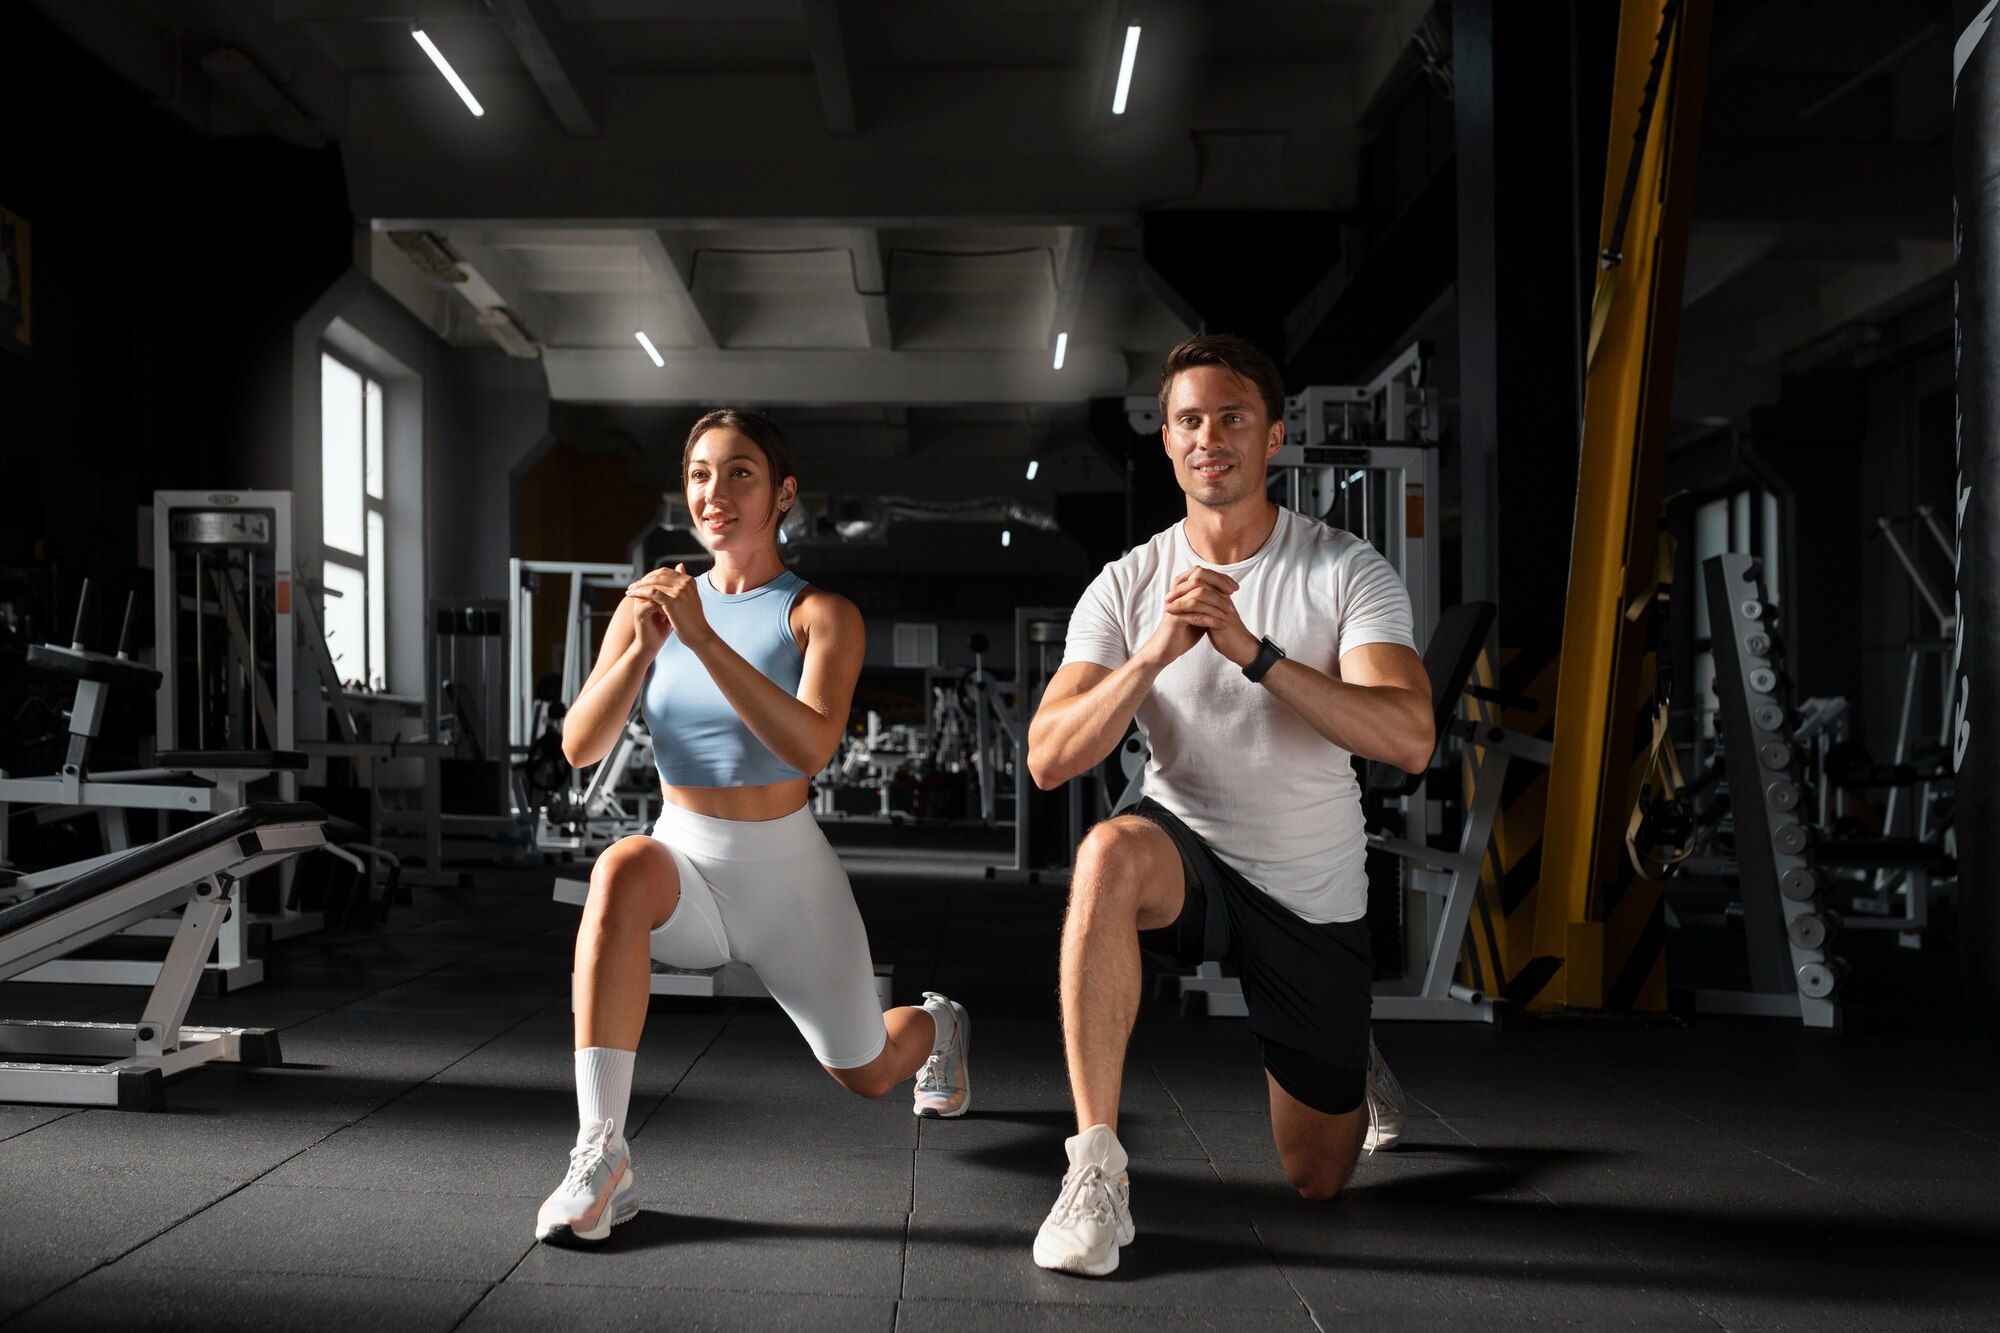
(1200, 603)
(669, 603)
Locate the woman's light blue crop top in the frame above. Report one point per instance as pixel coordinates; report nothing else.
(698, 740)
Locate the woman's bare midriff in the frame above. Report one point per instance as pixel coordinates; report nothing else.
(773, 800)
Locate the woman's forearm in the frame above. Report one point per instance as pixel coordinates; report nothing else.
(593, 723)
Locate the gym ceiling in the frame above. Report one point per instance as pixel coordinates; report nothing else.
(857, 209)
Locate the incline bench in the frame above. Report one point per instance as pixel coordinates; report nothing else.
(197, 868)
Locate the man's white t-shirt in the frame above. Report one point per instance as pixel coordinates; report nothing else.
(1275, 799)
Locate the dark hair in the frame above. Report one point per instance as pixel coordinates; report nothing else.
(759, 429)
(1231, 353)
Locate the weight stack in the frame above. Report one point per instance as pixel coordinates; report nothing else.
(1975, 690)
(1784, 921)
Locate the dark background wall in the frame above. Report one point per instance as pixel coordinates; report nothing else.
(167, 273)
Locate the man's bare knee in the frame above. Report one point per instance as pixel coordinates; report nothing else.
(1317, 1178)
(1112, 866)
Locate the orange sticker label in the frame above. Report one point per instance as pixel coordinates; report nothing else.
(284, 597)
(1413, 512)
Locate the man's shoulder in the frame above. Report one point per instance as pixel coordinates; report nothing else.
(1145, 558)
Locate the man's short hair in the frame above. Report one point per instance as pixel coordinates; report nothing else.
(1231, 353)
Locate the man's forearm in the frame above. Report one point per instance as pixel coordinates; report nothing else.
(1073, 735)
(1382, 722)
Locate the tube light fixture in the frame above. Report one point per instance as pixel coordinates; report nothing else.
(651, 350)
(1006, 536)
(450, 74)
(1125, 70)
(1034, 466)
(1062, 348)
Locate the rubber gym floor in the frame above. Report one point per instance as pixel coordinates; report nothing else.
(1721, 1174)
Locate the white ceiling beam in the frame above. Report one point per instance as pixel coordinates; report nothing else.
(556, 59)
(871, 281)
(1071, 260)
(831, 378)
(828, 43)
(494, 278)
(672, 263)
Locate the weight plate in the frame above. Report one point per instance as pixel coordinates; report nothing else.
(1763, 680)
(1816, 980)
(1781, 795)
(1774, 754)
(1808, 931)
(1791, 839)
(1799, 884)
(1768, 717)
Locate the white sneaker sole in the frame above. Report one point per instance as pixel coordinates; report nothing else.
(1381, 1142)
(1062, 1262)
(624, 1207)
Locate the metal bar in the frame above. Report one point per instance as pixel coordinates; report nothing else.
(1628, 395)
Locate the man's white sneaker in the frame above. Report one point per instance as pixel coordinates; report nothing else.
(597, 1192)
(944, 1084)
(1092, 1216)
(1385, 1102)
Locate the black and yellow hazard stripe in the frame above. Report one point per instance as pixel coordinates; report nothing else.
(1500, 958)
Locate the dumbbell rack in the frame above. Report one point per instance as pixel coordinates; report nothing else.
(1785, 922)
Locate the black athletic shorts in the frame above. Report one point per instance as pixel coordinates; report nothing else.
(1306, 985)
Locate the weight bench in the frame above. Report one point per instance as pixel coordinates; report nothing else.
(196, 869)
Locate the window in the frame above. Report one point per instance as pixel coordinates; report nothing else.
(353, 523)
(1744, 521)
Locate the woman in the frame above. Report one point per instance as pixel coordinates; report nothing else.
(747, 675)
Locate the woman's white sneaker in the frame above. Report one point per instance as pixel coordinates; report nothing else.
(1092, 1216)
(944, 1084)
(597, 1192)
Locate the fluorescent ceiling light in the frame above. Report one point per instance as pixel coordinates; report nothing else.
(451, 75)
(1006, 537)
(1034, 466)
(651, 350)
(1062, 348)
(1125, 70)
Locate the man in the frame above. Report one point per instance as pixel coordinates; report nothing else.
(1259, 649)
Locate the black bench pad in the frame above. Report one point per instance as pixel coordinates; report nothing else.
(1883, 854)
(81, 664)
(272, 759)
(139, 861)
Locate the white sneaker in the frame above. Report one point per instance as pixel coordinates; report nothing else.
(944, 1085)
(1092, 1216)
(596, 1194)
(1385, 1102)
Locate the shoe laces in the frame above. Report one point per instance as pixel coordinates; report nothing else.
(585, 1156)
(931, 1078)
(1086, 1192)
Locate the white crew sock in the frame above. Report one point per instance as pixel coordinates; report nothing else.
(604, 1086)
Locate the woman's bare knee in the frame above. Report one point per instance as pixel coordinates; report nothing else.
(871, 1080)
(634, 881)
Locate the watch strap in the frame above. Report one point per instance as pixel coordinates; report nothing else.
(1268, 656)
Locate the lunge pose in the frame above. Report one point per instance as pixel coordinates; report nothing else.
(1259, 649)
(746, 675)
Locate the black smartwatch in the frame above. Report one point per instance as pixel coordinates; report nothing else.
(1268, 655)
